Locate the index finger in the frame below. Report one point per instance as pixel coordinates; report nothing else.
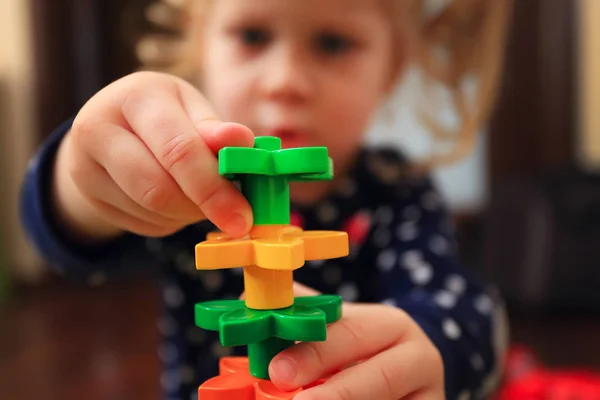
(160, 119)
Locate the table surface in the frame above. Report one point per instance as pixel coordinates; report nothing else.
(70, 342)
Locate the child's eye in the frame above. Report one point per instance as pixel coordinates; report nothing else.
(254, 36)
(332, 43)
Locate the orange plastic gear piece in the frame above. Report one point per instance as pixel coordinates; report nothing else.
(269, 255)
(235, 383)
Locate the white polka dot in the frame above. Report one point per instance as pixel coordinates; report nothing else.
(382, 237)
(167, 326)
(188, 374)
(431, 201)
(387, 260)
(477, 362)
(422, 275)
(219, 351)
(196, 335)
(456, 284)
(445, 299)
(327, 213)
(168, 353)
(389, 302)
(212, 280)
(315, 263)
(484, 304)
(411, 259)
(347, 187)
(97, 279)
(332, 275)
(411, 213)
(384, 215)
(348, 291)
(451, 329)
(154, 245)
(407, 231)
(169, 380)
(439, 245)
(173, 296)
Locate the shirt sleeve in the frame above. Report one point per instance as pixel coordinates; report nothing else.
(74, 261)
(421, 274)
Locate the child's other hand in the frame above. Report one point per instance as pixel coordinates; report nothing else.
(141, 157)
(401, 361)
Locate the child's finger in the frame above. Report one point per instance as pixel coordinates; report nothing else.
(110, 204)
(163, 125)
(137, 173)
(365, 329)
(118, 208)
(400, 372)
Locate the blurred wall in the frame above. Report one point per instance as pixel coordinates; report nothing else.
(18, 130)
(589, 83)
(464, 184)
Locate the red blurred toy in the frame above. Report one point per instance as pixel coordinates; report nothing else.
(527, 379)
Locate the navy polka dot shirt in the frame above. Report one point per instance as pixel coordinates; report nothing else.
(403, 253)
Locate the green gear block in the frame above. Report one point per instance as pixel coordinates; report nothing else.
(266, 171)
(268, 332)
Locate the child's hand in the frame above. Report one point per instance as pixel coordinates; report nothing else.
(141, 157)
(401, 361)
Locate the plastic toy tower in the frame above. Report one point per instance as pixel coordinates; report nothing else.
(269, 319)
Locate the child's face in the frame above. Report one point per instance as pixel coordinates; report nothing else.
(309, 71)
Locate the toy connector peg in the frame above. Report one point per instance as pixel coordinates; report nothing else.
(270, 255)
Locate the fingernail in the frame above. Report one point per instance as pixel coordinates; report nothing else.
(237, 225)
(284, 370)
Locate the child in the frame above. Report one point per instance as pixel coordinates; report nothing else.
(132, 182)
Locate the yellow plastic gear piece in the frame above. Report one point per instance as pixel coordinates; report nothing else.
(269, 255)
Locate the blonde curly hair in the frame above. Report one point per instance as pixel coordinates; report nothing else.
(453, 43)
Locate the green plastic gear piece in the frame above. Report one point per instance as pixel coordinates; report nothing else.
(267, 332)
(266, 171)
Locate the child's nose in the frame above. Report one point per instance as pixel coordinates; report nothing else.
(287, 76)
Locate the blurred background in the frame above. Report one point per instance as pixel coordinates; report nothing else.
(526, 203)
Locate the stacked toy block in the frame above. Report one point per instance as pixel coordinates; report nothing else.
(269, 319)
